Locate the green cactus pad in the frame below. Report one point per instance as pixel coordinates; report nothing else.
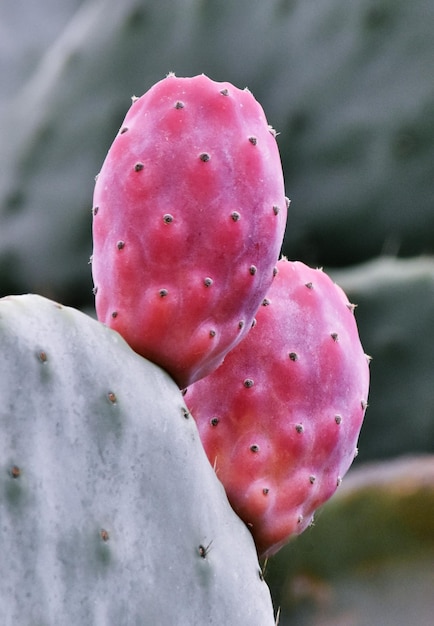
(110, 512)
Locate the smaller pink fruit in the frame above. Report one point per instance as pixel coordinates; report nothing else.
(280, 418)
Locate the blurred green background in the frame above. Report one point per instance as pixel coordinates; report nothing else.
(348, 85)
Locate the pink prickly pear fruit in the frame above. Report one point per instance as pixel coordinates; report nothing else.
(280, 418)
(189, 215)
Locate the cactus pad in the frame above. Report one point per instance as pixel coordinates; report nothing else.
(111, 513)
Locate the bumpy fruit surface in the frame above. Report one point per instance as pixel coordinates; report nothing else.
(189, 217)
(280, 418)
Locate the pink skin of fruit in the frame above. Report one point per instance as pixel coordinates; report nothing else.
(189, 214)
(280, 418)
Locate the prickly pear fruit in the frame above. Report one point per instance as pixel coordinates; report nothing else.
(189, 217)
(110, 512)
(280, 418)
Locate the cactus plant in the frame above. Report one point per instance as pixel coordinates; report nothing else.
(110, 512)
